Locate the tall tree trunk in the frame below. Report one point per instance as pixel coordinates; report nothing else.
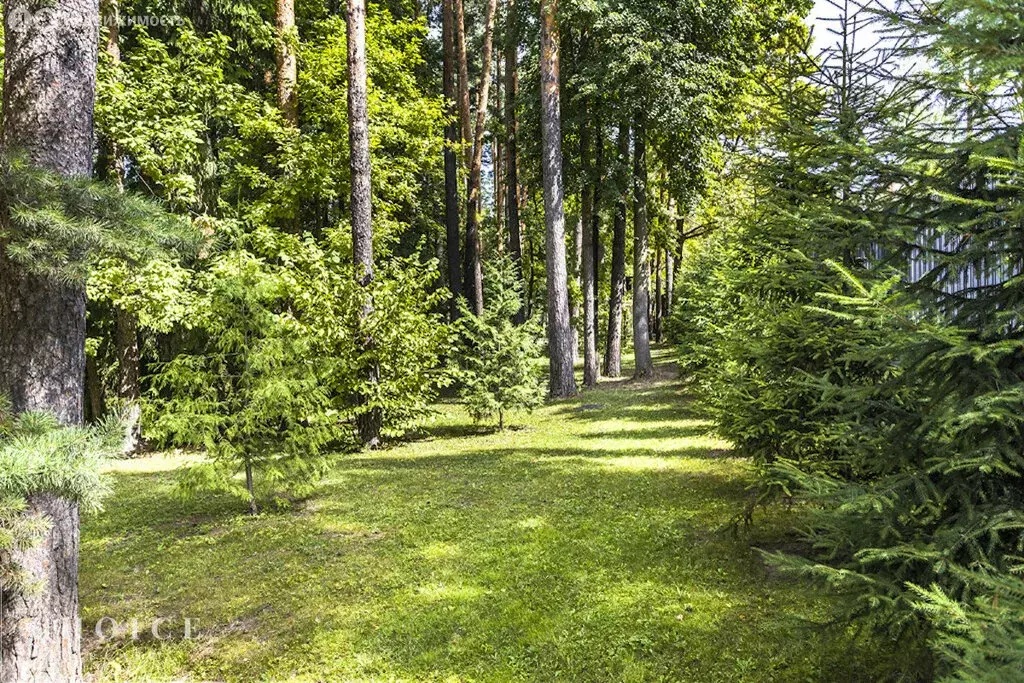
(577, 276)
(499, 165)
(670, 274)
(617, 286)
(560, 352)
(515, 239)
(369, 420)
(590, 372)
(48, 99)
(126, 344)
(465, 123)
(453, 227)
(287, 62)
(472, 264)
(641, 256)
(657, 294)
(110, 154)
(597, 180)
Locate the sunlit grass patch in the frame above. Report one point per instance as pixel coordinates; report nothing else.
(584, 545)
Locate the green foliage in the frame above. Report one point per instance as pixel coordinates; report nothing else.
(408, 337)
(497, 358)
(984, 640)
(594, 523)
(39, 456)
(249, 394)
(893, 405)
(58, 227)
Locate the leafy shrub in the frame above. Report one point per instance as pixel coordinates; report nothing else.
(497, 358)
(248, 392)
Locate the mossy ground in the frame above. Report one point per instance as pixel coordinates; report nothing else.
(590, 542)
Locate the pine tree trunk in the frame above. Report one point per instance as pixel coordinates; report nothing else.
(617, 295)
(597, 182)
(48, 97)
(562, 379)
(453, 228)
(590, 373)
(670, 273)
(499, 165)
(472, 264)
(577, 276)
(641, 256)
(465, 124)
(512, 197)
(369, 421)
(657, 294)
(287, 62)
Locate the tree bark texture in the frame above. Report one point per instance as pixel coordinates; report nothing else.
(368, 422)
(617, 285)
(48, 100)
(562, 378)
(590, 372)
(641, 257)
(453, 228)
(287, 62)
(465, 125)
(597, 181)
(512, 197)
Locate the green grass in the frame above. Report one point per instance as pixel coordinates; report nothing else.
(589, 543)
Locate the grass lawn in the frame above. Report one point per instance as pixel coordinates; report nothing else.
(588, 543)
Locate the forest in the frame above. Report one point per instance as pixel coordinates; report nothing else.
(512, 340)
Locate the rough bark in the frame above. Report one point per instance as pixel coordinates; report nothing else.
(48, 97)
(617, 285)
(453, 228)
(499, 165)
(465, 124)
(560, 352)
(598, 183)
(641, 257)
(657, 294)
(512, 198)
(670, 274)
(590, 372)
(287, 62)
(369, 421)
(472, 260)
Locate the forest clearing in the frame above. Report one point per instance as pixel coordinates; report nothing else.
(504, 340)
(593, 540)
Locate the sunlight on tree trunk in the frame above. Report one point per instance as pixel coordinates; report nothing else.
(641, 256)
(616, 298)
(369, 421)
(560, 352)
(48, 100)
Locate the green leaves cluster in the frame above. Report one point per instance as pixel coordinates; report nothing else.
(498, 368)
(40, 457)
(856, 330)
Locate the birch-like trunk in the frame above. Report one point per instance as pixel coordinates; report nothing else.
(369, 420)
(617, 286)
